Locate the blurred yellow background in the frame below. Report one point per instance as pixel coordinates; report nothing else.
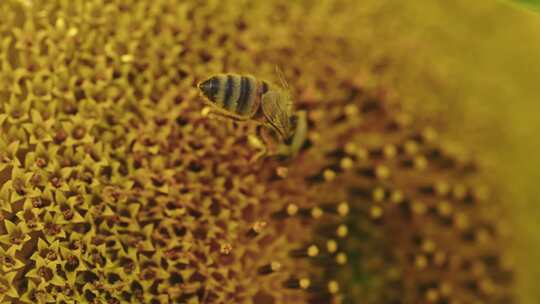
(470, 67)
(475, 67)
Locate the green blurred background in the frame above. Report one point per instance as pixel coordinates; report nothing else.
(531, 3)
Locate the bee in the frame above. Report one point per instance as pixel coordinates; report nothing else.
(243, 98)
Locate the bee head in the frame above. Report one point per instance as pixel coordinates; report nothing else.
(210, 88)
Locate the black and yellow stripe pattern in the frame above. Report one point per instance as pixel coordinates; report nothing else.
(238, 94)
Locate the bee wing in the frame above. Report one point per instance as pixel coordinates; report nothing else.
(282, 78)
(287, 103)
(277, 111)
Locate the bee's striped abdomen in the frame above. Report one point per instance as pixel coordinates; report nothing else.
(233, 87)
(224, 90)
(235, 93)
(243, 98)
(247, 102)
(211, 88)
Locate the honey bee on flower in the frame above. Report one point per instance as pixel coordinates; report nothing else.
(246, 98)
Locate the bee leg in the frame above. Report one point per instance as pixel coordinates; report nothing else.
(297, 140)
(212, 112)
(284, 151)
(257, 157)
(256, 142)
